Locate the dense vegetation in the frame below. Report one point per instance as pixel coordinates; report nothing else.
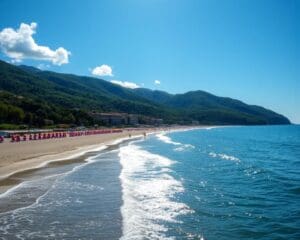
(37, 98)
(208, 108)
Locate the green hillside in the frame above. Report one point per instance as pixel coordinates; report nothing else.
(208, 108)
(37, 98)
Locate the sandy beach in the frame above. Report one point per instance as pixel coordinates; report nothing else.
(20, 156)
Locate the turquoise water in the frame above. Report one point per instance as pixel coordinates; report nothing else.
(214, 183)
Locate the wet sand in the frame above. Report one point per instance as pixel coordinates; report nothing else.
(51, 169)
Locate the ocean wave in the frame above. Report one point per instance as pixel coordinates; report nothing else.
(184, 147)
(224, 156)
(147, 194)
(166, 139)
(180, 146)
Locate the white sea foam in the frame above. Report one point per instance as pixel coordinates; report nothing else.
(180, 146)
(224, 156)
(166, 139)
(184, 147)
(148, 189)
(209, 128)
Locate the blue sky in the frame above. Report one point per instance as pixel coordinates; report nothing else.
(244, 49)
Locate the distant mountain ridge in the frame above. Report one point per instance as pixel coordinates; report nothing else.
(37, 98)
(201, 102)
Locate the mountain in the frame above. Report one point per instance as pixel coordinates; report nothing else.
(204, 107)
(37, 98)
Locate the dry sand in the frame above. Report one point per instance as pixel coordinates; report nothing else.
(20, 156)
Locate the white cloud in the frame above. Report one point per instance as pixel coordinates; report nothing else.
(157, 82)
(43, 66)
(19, 44)
(103, 70)
(125, 84)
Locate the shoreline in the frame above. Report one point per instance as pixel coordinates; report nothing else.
(16, 157)
(22, 157)
(13, 179)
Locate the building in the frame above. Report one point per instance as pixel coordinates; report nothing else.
(157, 121)
(125, 119)
(195, 122)
(151, 121)
(133, 119)
(111, 118)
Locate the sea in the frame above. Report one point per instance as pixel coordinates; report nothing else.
(211, 183)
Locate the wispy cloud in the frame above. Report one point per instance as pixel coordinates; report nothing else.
(103, 70)
(157, 82)
(125, 84)
(19, 44)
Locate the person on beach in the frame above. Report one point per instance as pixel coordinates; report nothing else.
(1, 139)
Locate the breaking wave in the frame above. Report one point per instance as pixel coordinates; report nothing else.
(179, 146)
(224, 156)
(148, 194)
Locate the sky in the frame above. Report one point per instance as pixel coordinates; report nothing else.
(243, 49)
